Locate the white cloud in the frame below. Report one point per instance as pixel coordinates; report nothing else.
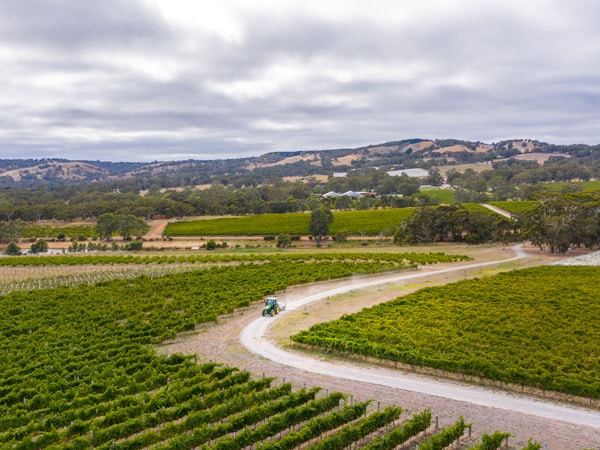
(237, 77)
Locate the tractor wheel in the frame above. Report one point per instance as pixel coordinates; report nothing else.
(264, 313)
(277, 310)
(272, 312)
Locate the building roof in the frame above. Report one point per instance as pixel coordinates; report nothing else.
(345, 194)
(413, 173)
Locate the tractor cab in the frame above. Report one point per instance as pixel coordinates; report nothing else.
(272, 307)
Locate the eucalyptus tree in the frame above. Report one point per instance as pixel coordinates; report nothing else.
(320, 221)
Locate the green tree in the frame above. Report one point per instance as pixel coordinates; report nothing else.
(128, 224)
(434, 178)
(504, 230)
(11, 231)
(12, 249)
(407, 186)
(106, 225)
(320, 221)
(557, 221)
(426, 225)
(480, 228)
(40, 246)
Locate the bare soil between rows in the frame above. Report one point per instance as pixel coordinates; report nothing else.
(220, 343)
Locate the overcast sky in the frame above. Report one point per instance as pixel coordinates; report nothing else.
(133, 80)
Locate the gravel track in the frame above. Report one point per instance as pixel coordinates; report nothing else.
(558, 427)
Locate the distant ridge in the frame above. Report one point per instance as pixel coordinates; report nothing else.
(388, 156)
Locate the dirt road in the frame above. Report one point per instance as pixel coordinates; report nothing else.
(559, 427)
(255, 338)
(156, 229)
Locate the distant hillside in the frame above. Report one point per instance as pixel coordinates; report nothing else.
(64, 170)
(409, 153)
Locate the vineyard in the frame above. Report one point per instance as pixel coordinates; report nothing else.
(445, 196)
(531, 327)
(37, 272)
(73, 231)
(406, 258)
(368, 223)
(79, 370)
(28, 278)
(515, 207)
(358, 223)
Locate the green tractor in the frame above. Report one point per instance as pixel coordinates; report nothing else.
(272, 307)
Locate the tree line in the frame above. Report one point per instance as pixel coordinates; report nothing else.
(90, 202)
(456, 224)
(560, 222)
(556, 221)
(253, 192)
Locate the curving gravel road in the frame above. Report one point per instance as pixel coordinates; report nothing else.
(254, 338)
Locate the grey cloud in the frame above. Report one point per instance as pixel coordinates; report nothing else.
(483, 73)
(65, 24)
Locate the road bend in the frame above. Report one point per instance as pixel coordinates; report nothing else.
(254, 338)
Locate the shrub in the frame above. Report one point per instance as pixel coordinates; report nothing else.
(341, 236)
(12, 249)
(135, 245)
(40, 246)
(284, 241)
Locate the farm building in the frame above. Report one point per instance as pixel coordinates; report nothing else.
(412, 173)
